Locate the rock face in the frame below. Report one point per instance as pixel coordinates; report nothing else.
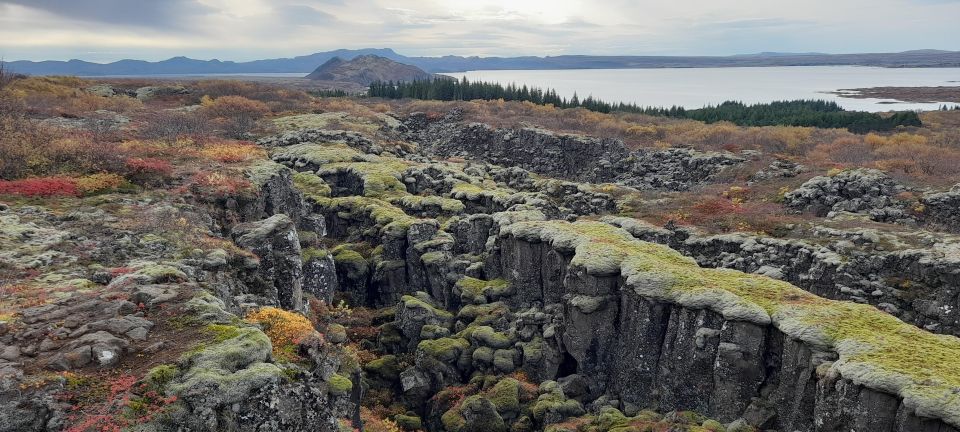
(280, 270)
(860, 190)
(571, 157)
(942, 210)
(366, 69)
(844, 265)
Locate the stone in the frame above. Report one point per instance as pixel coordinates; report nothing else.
(280, 273)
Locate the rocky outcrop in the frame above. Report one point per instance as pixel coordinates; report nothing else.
(859, 191)
(279, 274)
(571, 157)
(916, 284)
(942, 210)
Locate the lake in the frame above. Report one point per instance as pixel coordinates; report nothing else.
(696, 87)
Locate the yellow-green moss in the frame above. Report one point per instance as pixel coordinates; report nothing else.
(308, 254)
(411, 302)
(473, 289)
(221, 332)
(339, 385)
(444, 349)
(381, 178)
(311, 186)
(421, 203)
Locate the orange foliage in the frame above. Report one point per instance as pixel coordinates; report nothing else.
(285, 329)
(233, 151)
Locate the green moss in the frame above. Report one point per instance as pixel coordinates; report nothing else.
(351, 260)
(386, 368)
(484, 314)
(453, 421)
(875, 348)
(311, 186)
(310, 254)
(227, 371)
(444, 349)
(260, 172)
(487, 336)
(317, 154)
(381, 177)
(159, 273)
(408, 422)
(340, 385)
(158, 377)
(411, 302)
(474, 290)
(713, 426)
(552, 401)
(221, 332)
(417, 203)
(505, 395)
(385, 216)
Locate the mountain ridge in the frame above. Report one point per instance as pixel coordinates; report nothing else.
(366, 69)
(304, 64)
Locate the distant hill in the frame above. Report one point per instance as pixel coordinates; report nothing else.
(305, 64)
(366, 69)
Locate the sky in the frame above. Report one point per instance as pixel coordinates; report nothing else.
(240, 30)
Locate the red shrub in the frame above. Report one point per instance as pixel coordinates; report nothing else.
(40, 187)
(148, 170)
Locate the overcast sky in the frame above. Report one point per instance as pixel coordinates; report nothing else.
(107, 30)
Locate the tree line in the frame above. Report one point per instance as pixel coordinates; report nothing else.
(815, 113)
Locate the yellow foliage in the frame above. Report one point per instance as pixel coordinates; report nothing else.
(98, 183)
(233, 152)
(285, 329)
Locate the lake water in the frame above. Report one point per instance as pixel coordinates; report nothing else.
(696, 87)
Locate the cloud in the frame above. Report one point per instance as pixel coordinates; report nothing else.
(250, 29)
(166, 14)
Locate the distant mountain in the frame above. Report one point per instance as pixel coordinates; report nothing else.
(305, 64)
(366, 69)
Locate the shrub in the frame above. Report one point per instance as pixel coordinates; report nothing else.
(219, 185)
(237, 114)
(148, 171)
(40, 187)
(99, 183)
(285, 330)
(173, 125)
(233, 151)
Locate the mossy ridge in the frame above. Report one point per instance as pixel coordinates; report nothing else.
(411, 302)
(444, 349)
(312, 253)
(388, 218)
(381, 177)
(261, 171)
(419, 203)
(876, 349)
(473, 192)
(318, 154)
(475, 288)
(311, 186)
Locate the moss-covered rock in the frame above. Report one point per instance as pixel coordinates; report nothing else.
(408, 422)
(475, 414)
(487, 336)
(552, 406)
(228, 371)
(505, 395)
(387, 368)
(339, 385)
(444, 349)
